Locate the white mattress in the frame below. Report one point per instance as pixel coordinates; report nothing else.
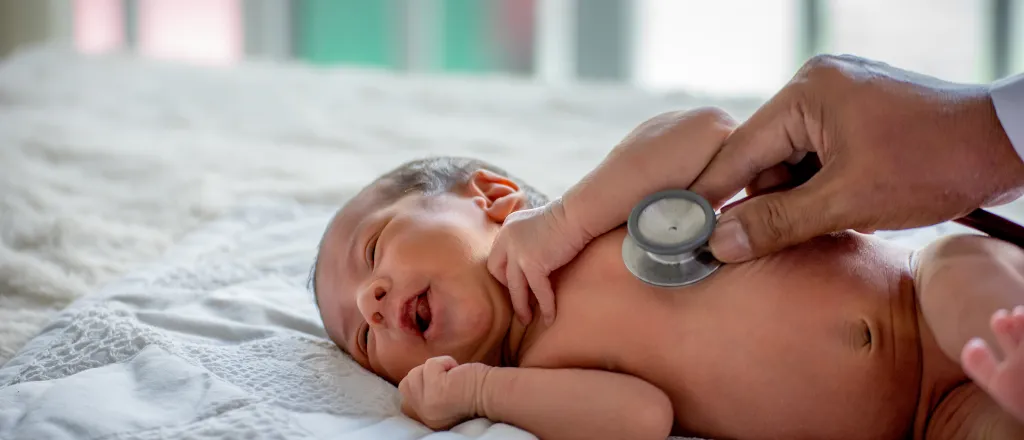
(106, 164)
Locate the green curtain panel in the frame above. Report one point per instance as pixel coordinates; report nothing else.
(358, 32)
(467, 40)
(468, 33)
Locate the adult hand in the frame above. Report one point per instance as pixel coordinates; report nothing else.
(886, 149)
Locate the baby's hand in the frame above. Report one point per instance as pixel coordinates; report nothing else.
(441, 393)
(531, 244)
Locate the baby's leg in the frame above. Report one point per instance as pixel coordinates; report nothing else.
(961, 282)
(968, 413)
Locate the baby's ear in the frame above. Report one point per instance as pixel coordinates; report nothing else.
(497, 195)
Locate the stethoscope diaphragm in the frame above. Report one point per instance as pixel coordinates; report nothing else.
(666, 244)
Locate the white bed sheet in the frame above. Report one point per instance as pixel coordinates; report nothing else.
(219, 339)
(106, 163)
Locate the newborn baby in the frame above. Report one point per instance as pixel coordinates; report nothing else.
(845, 336)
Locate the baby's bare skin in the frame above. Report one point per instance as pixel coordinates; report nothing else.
(830, 339)
(835, 338)
(825, 340)
(821, 341)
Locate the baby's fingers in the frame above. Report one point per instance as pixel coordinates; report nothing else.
(438, 365)
(497, 262)
(541, 286)
(518, 291)
(409, 411)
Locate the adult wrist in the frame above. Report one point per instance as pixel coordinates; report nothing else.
(1004, 158)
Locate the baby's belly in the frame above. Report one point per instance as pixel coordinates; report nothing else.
(818, 342)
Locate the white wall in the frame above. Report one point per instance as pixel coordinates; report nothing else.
(728, 47)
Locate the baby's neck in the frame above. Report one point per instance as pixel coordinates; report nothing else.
(512, 345)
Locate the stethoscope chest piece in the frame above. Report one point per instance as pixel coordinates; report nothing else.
(667, 241)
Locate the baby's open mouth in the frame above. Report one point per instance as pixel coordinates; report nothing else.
(421, 311)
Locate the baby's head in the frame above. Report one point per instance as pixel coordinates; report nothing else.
(401, 275)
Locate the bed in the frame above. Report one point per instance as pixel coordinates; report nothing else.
(157, 223)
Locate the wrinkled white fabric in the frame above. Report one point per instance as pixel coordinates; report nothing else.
(218, 340)
(106, 163)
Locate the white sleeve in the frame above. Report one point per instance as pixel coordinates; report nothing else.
(1008, 98)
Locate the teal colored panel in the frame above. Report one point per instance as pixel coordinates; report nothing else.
(345, 31)
(466, 36)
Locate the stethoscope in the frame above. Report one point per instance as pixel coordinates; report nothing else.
(668, 232)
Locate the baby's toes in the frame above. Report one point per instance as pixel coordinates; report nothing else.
(1004, 329)
(1017, 323)
(979, 362)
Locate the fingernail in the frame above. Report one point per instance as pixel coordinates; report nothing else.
(729, 242)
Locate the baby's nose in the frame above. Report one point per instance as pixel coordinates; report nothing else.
(373, 305)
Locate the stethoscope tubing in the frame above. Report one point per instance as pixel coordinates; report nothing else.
(994, 226)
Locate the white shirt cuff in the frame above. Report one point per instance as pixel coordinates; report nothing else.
(1008, 99)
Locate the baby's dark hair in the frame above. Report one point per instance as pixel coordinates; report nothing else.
(436, 175)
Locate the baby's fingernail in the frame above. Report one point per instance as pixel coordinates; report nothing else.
(729, 242)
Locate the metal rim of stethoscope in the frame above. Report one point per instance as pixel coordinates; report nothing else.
(682, 247)
(673, 263)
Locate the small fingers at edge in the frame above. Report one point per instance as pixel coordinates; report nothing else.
(541, 286)
(518, 290)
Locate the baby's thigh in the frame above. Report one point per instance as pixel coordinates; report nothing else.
(967, 413)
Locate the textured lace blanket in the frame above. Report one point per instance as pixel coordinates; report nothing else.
(218, 340)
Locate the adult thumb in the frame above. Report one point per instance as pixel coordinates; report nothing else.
(769, 223)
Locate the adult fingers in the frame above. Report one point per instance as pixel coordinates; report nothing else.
(797, 170)
(771, 222)
(772, 135)
(769, 179)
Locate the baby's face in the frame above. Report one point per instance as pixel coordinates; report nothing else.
(401, 282)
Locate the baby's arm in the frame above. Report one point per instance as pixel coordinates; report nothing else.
(971, 293)
(668, 151)
(576, 403)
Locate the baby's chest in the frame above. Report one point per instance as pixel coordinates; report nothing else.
(605, 317)
(600, 327)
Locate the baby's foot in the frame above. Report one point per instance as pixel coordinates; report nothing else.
(1004, 381)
